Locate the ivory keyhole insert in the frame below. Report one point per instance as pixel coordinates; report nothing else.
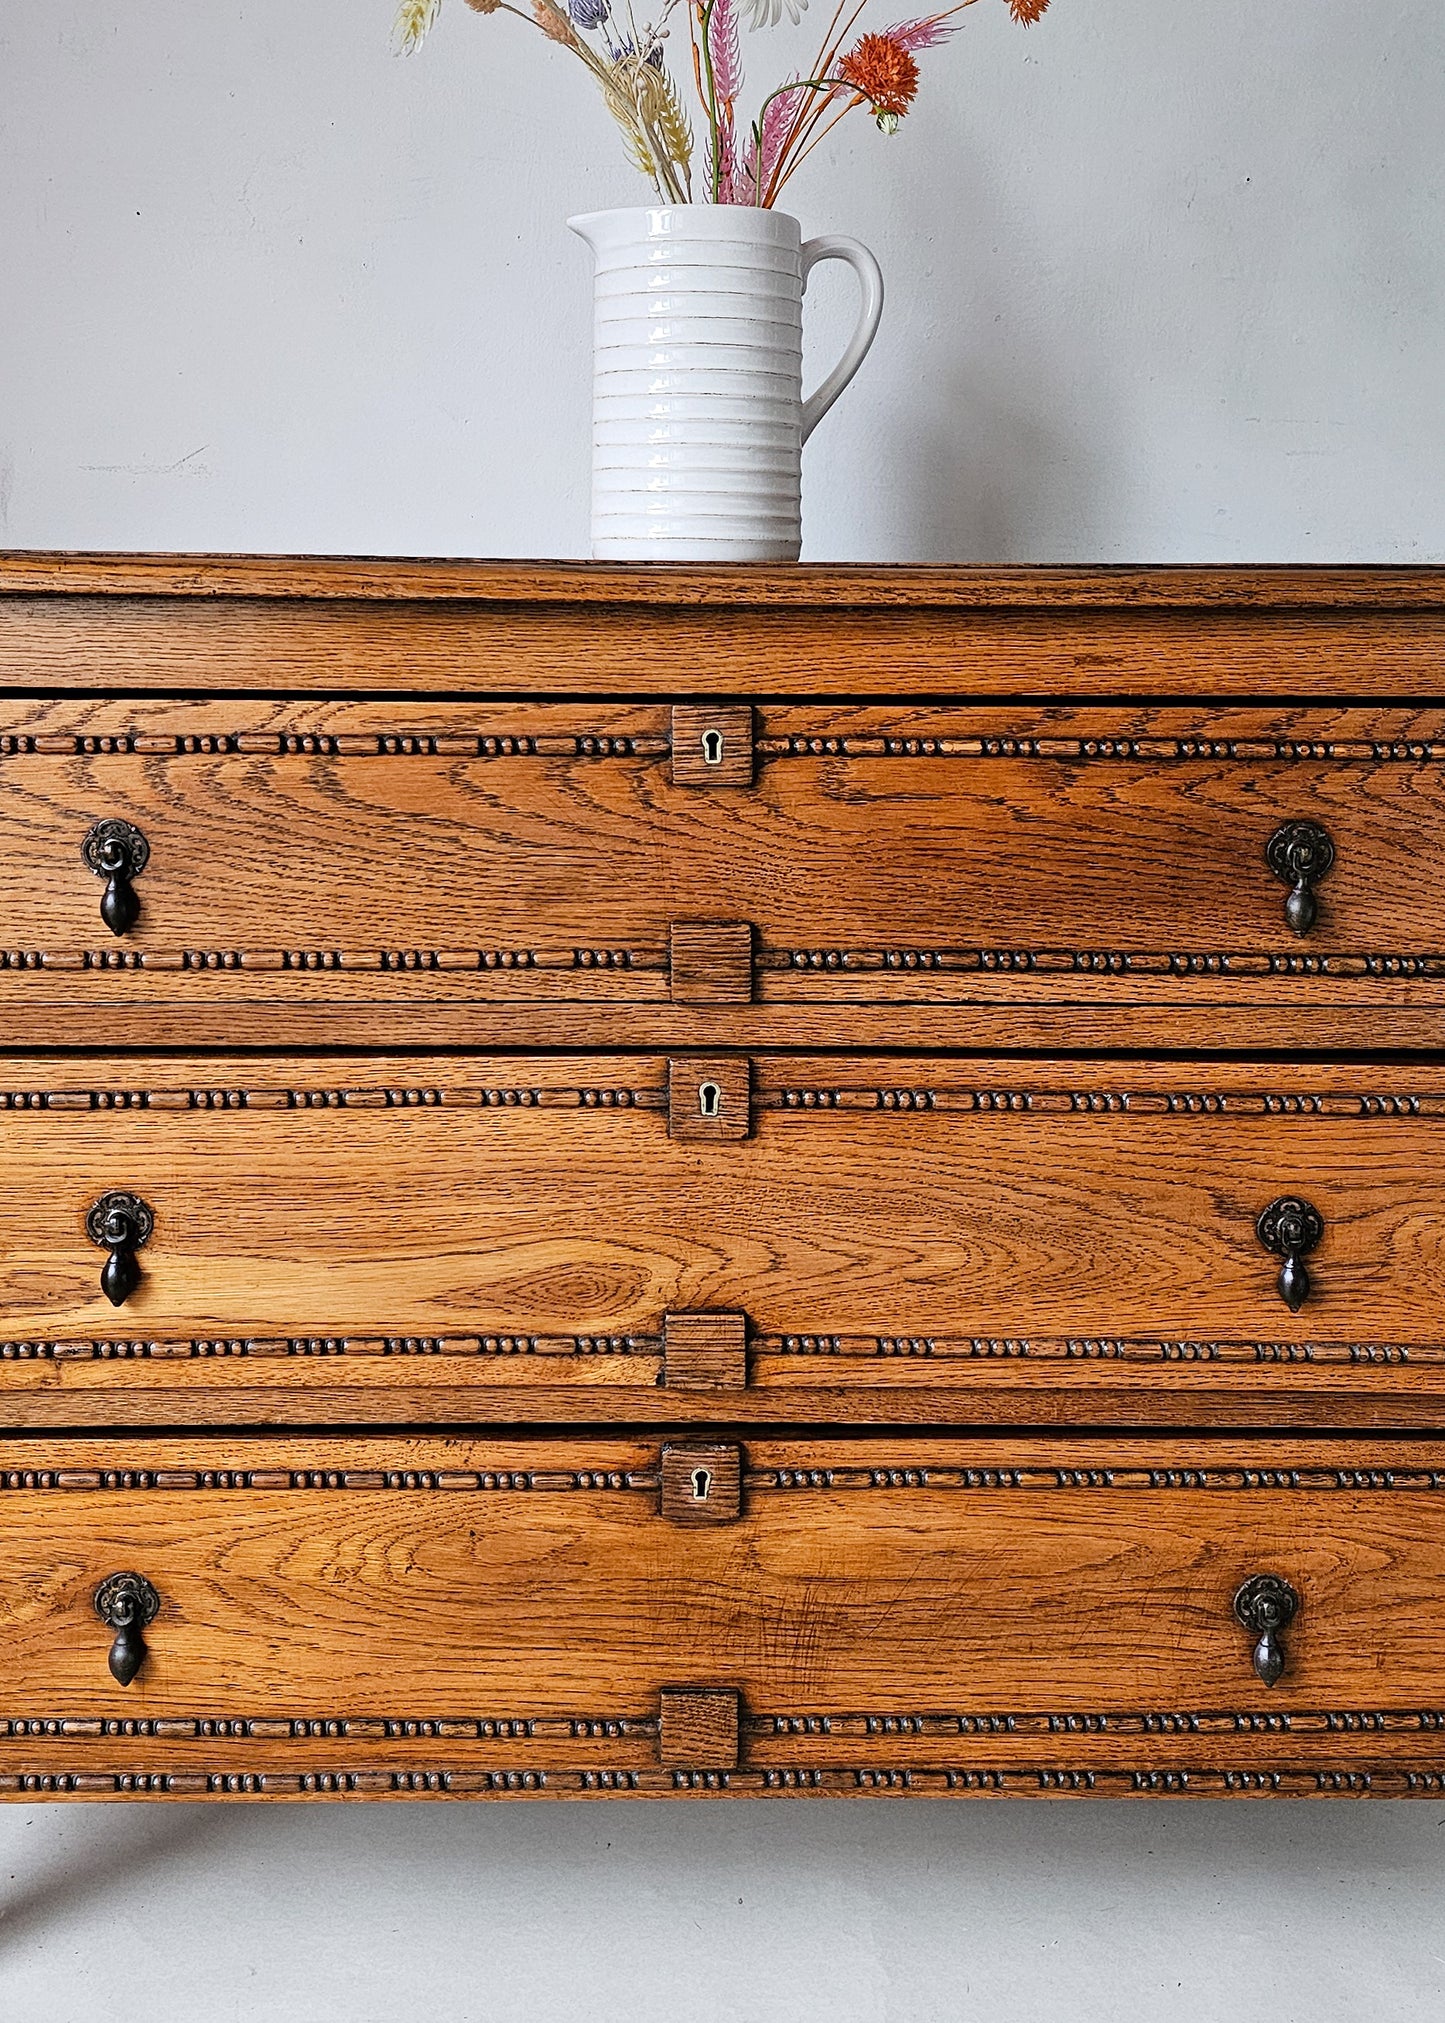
(712, 748)
(701, 1484)
(709, 1099)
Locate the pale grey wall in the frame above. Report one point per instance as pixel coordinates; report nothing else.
(1166, 283)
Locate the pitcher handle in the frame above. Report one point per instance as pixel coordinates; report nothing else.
(870, 283)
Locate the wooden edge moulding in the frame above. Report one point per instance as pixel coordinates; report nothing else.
(102, 622)
(66, 573)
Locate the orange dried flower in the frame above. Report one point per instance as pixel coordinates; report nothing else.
(1026, 12)
(881, 70)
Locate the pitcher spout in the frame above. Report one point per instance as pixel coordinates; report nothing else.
(589, 225)
(608, 231)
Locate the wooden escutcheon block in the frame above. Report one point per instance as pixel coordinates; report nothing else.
(697, 1728)
(712, 747)
(705, 1352)
(712, 961)
(702, 1485)
(710, 1099)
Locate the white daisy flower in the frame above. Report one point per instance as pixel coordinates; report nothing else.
(768, 13)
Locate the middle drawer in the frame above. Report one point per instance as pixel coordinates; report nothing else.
(720, 1238)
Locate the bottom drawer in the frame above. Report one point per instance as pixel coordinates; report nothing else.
(385, 1616)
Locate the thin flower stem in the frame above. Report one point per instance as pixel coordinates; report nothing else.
(803, 124)
(692, 15)
(828, 84)
(957, 8)
(710, 96)
(822, 63)
(802, 154)
(647, 107)
(809, 115)
(831, 54)
(810, 132)
(628, 111)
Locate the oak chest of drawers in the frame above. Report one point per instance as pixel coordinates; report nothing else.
(730, 1182)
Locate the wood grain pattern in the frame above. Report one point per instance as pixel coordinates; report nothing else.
(906, 1236)
(392, 578)
(213, 623)
(784, 1125)
(540, 856)
(705, 1352)
(126, 1382)
(698, 1730)
(710, 962)
(1290, 1016)
(919, 1611)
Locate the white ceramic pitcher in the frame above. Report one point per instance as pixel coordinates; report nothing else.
(698, 413)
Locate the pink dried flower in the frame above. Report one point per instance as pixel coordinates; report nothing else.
(926, 33)
(725, 47)
(728, 191)
(754, 175)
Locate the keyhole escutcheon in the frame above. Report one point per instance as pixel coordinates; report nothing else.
(712, 748)
(709, 1099)
(701, 1485)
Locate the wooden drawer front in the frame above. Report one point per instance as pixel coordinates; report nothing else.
(386, 1616)
(471, 1237)
(386, 857)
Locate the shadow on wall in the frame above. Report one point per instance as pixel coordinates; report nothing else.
(97, 1853)
(997, 447)
(625, 1912)
(997, 479)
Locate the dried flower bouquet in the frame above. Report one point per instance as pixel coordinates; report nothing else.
(878, 70)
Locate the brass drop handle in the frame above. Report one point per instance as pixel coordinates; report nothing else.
(120, 1223)
(1291, 1228)
(1266, 1606)
(117, 852)
(126, 1603)
(1300, 855)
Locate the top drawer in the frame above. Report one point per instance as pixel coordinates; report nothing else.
(236, 869)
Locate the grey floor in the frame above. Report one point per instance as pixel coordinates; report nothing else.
(857, 1913)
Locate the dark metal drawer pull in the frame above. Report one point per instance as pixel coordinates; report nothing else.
(1291, 1228)
(117, 852)
(125, 1603)
(121, 1224)
(1266, 1605)
(1300, 855)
